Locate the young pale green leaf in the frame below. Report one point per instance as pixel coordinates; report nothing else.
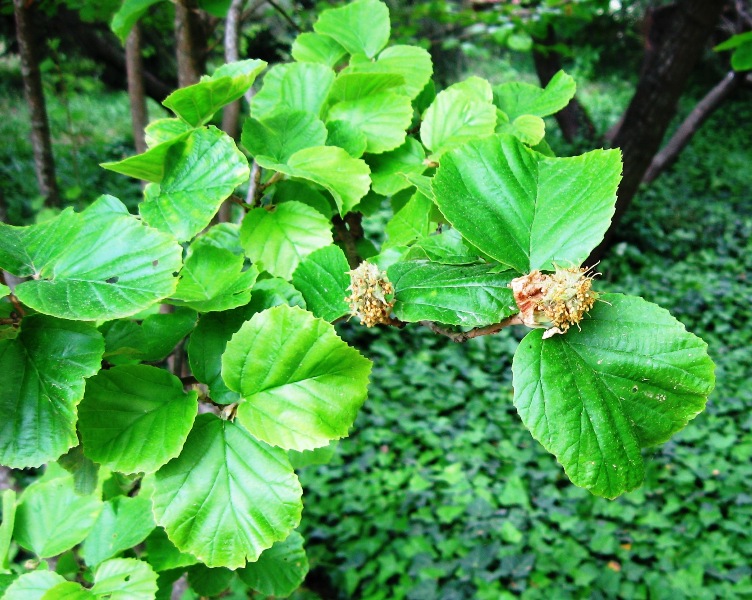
(42, 375)
(526, 210)
(51, 518)
(116, 268)
(213, 279)
(197, 103)
(280, 570)
(128, 15)
(361, 27)
(316, 48)
(456, 117)
(346, 136)
(517, 98)
(388, 170)
(281, 134)
(32, 586)
(227, 497)
(412, 62)
(201, 172)
(383, 118)
(529, 129)
(277, 239)
(346, 178)
(6, 528)
(300, 86)
(447, 248)
(162, 554)
(302, 385)
(135, 418)
(471, 296)
(124, 579)
(477, 88)
(68, 590)
(354, 86)
(322, 279)
(631, 377)
(123, 523)
(411, 222)
(164, 130)
(151, 165)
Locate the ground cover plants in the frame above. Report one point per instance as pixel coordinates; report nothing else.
(490, 229)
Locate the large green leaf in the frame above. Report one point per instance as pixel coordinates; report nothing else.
(354, 86)
(345, 177)
(323, 280)
(302, 385)
(127, 16)
(280, 570)
(135, 418)
(201, 171)
(411, 222)
(277, 239)
(68, 590)
(116, 267)
(300, 86)
(524, 209)
(383, 118)
(227, 497)
(213, 279)
(471, 296)
(412, 62)
(150, 165)
(164, 130)
(42, 375)
(123, 523)
(32, 586)
(631, 377)
(317, 48)
(124, 579)
(361, 27)
(388, 170)
(51, 518)
(346, 136)
(196, 104)
(446, 248)
(6, 528)
(517, 98)
(162, 553)
(281, 134)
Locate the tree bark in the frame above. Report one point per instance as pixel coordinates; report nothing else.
(134, 68)
(188, 42)
(706, 107)
(653, 106)
(32, 81)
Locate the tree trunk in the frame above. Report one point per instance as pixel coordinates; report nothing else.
(712, 100)
(32, 82)
(188, 42)
(574, 121)
(653, 106)
(134, 68)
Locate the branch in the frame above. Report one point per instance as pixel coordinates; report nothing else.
(463, 336)
(284, 14)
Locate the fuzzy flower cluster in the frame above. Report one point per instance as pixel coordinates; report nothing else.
(371, 294)
(557, 300)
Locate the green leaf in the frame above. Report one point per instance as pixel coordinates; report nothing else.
(354, 86)
(208, 582)
(734, 41)
(32, 586)
(361, 27)
(302, 385)
(280, 570)
(51, 518)
(85, 472)
(164, 130)
(123, 523)
(281, 134)
(346, 178)
(150, 165)
(388, 170)
(528, 129)
(135, 418)
(116, 268)
(346, 136)
(526, 210)
(456, 117)
(447, 248)
(162, 553)
(300, 86)
(323, 280)
(477, 88)
(68, 590)
(127, 16)
(315, 48)
(124, 579)
(383, 118)
(197, 103)
(301, 191)
(412, 62)
(213, 279)
(471, 296)
(201, 172)
(272, 292)
(42, 375)
(411, 222)
(248, 489)
(517, 98)
(4, 290)
(6, 528)
(632, 377)
(277, 239)
(741, 59)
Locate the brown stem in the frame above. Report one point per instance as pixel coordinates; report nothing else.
(463, 336)
(262, 187)
(284, 14)
(250, 198)
(344, 235)
(16, 305)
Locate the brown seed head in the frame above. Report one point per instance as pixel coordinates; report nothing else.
(371, 295)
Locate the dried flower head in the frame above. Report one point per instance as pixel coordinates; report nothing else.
(371, 295)
(555, 301)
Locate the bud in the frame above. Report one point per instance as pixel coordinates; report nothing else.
(555, 301)
(371, 298)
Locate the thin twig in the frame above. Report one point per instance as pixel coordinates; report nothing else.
(463, 336)
(250, 198)
(262, 187)
(16, 305)
(284, 14)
